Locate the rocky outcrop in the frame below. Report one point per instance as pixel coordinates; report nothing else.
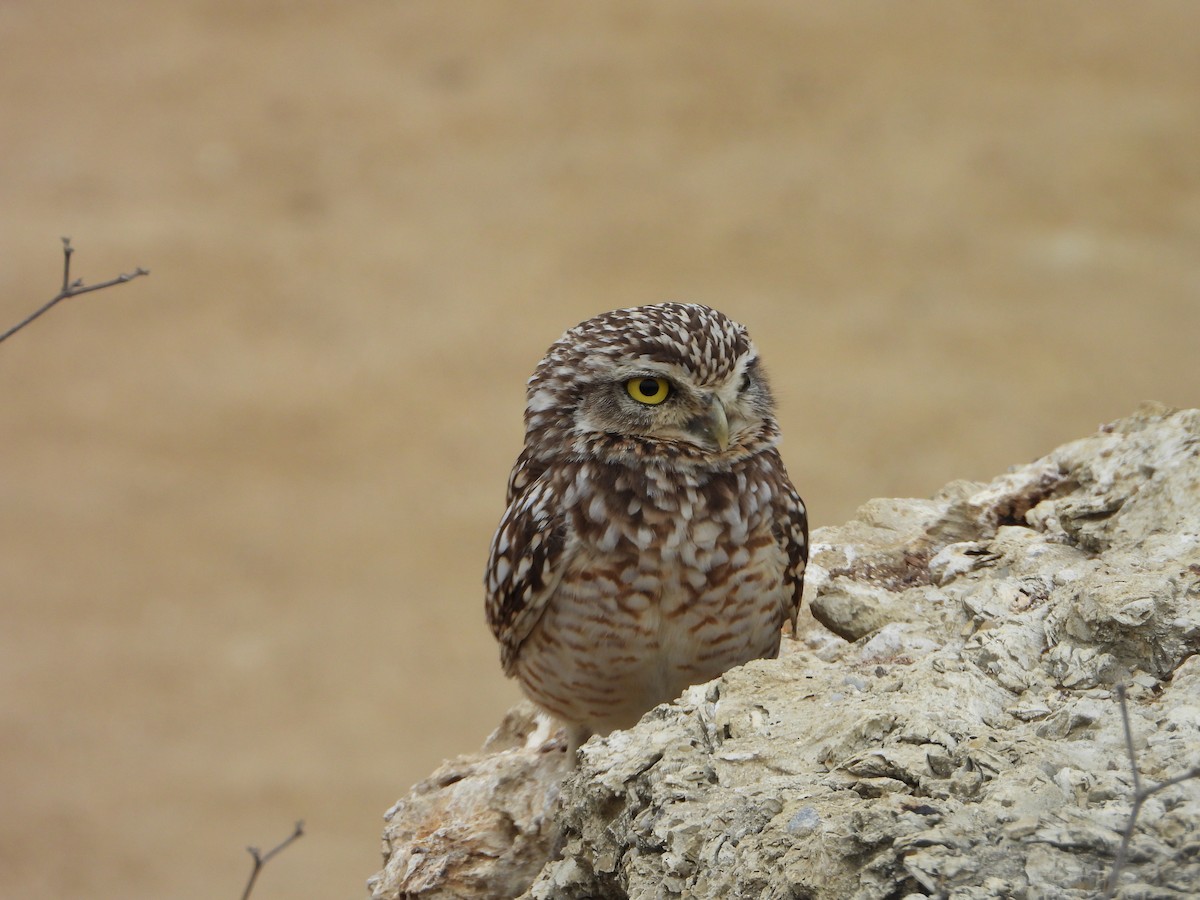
(951, 729)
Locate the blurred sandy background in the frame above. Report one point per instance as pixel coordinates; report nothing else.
(245, 503)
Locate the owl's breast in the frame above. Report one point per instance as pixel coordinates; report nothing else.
(669, 579)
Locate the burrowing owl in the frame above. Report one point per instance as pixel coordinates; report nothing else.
(652, 538)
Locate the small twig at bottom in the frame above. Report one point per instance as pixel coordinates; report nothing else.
(1140, 796)
(261, 859)
(72, 288)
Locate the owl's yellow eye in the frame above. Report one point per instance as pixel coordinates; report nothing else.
(651, 391)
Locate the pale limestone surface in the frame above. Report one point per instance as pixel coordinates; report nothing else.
(967, 743)
(481, 825)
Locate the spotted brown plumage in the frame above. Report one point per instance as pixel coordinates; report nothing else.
(652, 538)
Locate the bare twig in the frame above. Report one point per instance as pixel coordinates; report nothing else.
(261, 859)
(1140, 796)
(72, 288)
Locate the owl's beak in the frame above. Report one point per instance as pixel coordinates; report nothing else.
(714, 426)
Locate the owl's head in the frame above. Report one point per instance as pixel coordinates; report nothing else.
(675, 380)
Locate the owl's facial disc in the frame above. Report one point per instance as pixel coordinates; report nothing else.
(664, 404)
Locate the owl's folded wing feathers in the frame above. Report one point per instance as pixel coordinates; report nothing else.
(525, 565)
(791, 531)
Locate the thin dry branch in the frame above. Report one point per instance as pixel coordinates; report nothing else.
(261, 859)
(72, 288)
(1140, 796)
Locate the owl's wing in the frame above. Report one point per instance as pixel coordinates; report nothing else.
(526, 562)
(791, 531)
(524, 472)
